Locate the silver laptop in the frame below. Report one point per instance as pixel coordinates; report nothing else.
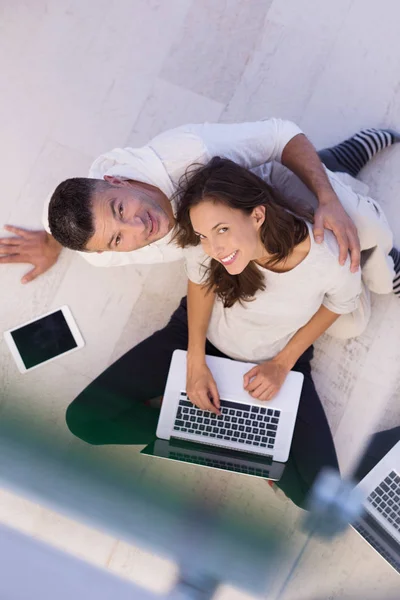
(380, 523)
(250, 436)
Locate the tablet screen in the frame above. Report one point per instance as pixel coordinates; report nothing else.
(43, 339)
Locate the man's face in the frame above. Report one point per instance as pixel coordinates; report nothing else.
(128, 216)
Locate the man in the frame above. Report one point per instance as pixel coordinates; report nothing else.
(122, 213)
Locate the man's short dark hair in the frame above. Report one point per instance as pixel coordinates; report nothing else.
(70, 211)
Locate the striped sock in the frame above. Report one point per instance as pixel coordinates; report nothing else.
(353, 154)
(395, 254)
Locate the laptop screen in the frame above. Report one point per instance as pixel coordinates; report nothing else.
(215, 457)
(379, 539)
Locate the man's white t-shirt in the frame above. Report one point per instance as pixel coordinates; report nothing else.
(257, 330)
(164, 160)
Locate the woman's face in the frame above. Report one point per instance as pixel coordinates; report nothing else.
(227, 234)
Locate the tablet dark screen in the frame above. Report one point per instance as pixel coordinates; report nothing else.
(44, 339)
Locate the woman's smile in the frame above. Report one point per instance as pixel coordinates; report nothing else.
(228, 260)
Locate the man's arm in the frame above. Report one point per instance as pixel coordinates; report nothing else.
(300, 157)
(37, 248)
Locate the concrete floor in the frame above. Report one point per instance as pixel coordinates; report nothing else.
(82, 77)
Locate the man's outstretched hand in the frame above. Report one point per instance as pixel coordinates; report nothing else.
(331, 215)
(38, 248)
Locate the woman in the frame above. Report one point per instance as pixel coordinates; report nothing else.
(269, 289)
(265, 292)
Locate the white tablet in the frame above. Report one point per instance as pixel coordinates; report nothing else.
(44, 339)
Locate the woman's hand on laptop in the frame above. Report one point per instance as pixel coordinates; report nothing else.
(201, 387)
(265, 380)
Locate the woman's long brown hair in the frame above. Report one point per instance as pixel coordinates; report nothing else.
(224, 181)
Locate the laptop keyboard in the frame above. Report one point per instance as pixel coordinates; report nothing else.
(386, 499)
(220, 464)
(243, 423)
